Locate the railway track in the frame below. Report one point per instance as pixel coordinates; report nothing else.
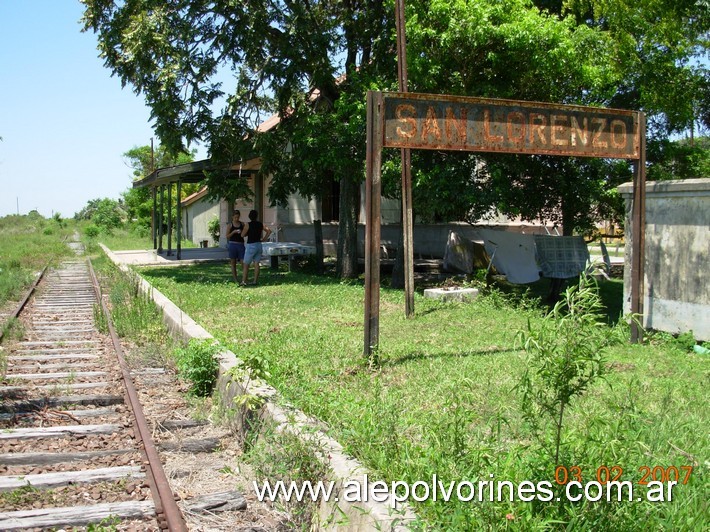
(71, 447)
(77, 449)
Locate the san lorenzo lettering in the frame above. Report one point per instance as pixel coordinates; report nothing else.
(473, 124)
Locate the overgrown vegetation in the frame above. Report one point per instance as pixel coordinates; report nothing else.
(134, 315)
(25, 495)
(444, 399)
(252, 370)
(566, 358)
(108, 221)
(27, 244)
(213, 229)
(277, 456)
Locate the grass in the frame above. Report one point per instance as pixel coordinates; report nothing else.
(134, 238)
(134, 315)
(611, 293)
(284, 457)
(27, 244)
(443, 399)
(615, 249)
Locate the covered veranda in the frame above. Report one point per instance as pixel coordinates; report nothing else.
(161, 183)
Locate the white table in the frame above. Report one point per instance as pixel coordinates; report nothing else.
(274, 250)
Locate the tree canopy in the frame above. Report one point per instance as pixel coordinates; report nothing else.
(105, 213)
(613, 53)
(212, 70)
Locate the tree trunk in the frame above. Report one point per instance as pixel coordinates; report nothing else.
(347, 230)
(568, 217)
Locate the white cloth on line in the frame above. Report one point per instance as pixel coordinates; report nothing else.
(514, 254)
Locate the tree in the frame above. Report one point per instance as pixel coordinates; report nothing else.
(587, 52)
(145, 159)
(211, 70)
(251, 57)
(105, 213)
(680, 159)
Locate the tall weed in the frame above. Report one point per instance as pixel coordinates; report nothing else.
(198, 363)
(566, 349)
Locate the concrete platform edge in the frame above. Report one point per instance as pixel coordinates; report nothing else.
(342, 515)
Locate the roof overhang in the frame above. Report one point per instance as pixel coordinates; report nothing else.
(193, 172)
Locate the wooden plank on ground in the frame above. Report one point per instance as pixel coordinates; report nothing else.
(79, 386)
(28, 368)
(207, 445)
(75, 515)
(28, 405)
(59, 431)
(215, 502)
(41, 358)
(56, 375)
(55, 351)
(79, 414)
(61, 343)
(177, 424)
(39, 459)
(64, 478)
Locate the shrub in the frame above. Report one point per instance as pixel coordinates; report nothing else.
(213, 228)
(198, 363)
(685, 341)
(91, 231)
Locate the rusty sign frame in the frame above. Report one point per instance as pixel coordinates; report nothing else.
(444, 122)
(425, 121)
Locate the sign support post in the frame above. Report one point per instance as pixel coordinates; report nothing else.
(407, 210)
(638, 235)
(373, 188)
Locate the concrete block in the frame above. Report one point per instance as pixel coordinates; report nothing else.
(451, 294)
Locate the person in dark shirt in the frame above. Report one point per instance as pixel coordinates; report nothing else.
(235, 243)
(255, 233)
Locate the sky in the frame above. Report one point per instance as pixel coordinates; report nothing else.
(64, 120)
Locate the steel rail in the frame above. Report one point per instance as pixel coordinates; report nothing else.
(167, 511)
(24, 301)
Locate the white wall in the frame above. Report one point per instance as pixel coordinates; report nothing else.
(389, 208)
(196, 217)
(677, 256)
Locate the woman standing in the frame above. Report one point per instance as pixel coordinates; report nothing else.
(255, 233)
(235, 243)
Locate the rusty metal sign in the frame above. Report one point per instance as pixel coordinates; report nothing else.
(439, 122)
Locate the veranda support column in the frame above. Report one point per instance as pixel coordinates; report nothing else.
(178, 215)
(170, 219)
(160, 219)
(153, 219)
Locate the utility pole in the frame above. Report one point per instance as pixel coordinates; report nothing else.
(407, 214)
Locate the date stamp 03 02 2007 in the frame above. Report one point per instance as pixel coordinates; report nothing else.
(604, 474)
